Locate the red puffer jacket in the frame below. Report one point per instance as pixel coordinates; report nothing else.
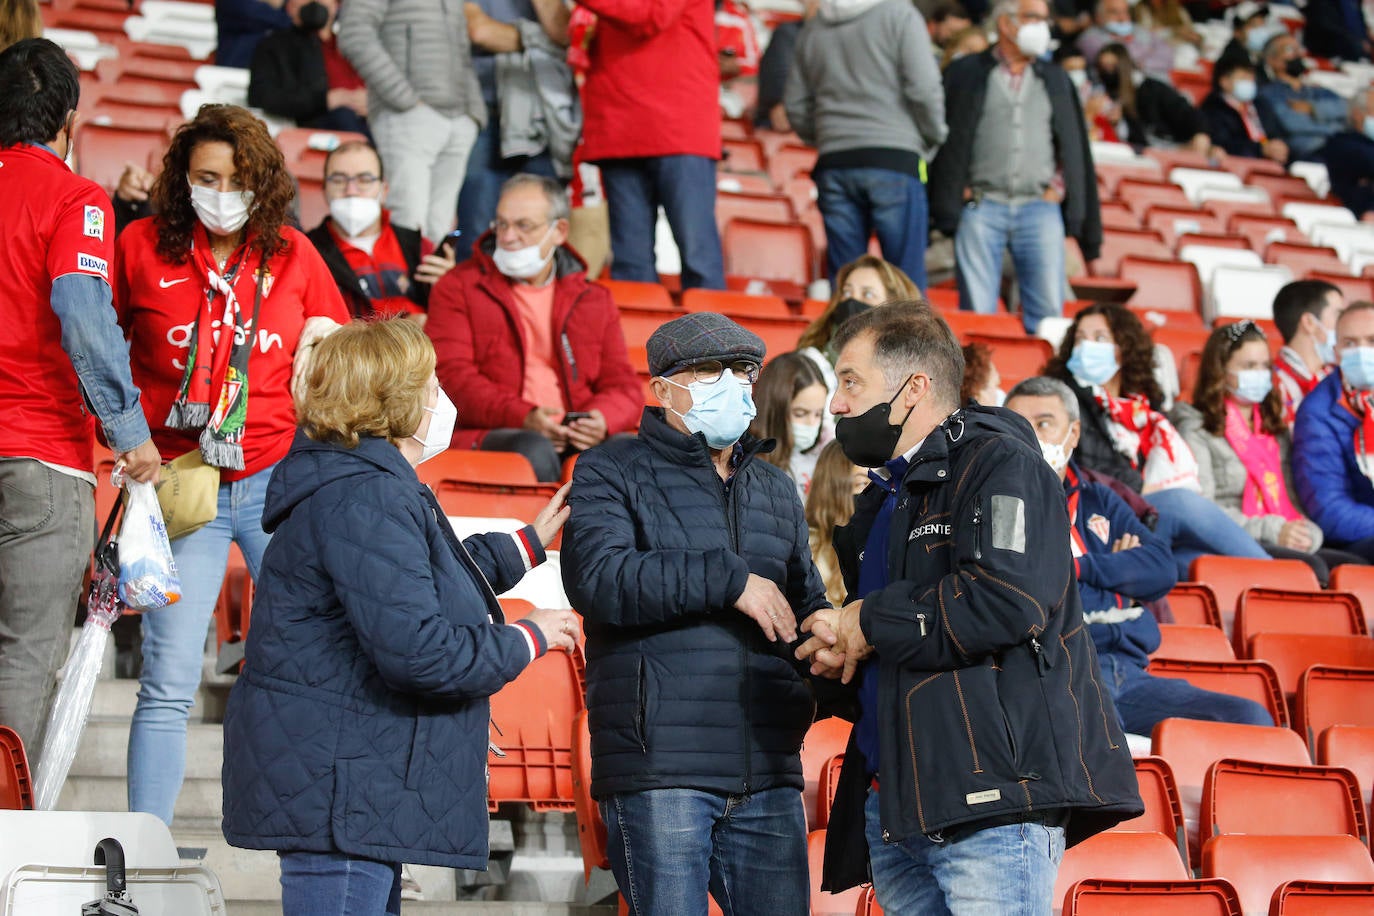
(481, 352)
(654, 84)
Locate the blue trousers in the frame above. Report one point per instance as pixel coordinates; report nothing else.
(335, 884)
(1034, 231)
(685, 186)
(856, 203)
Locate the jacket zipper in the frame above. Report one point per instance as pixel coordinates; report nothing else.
(978, 531)
(570, 366)
(732, 523)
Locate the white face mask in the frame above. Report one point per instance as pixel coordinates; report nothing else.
(1033, 38)
(443, 417)
(1057, 453)
(804, 435)
(523, 263)
(222, 212)
(1079, 78)
(355, 214)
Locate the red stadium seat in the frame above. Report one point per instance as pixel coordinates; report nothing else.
(478, 500)
(825, 739)
(1120, 857)
(639, 324)
(1354, 289)
(1283, 186)
(1212, 240)
(1193, 602)
(742, 156)
(1227, 210)
(1111, 174)
(1016, 357)
(1116, 244)
(1293, 653)
(1273, 610)
(1193, 643)
(1254, 680)
(1257, 865)
(764, 208)
(1328, 695)
(1163, 806)
(1171, 222)
(998, 324)
(868, 906)
(466, 466)
(1304, 259)
(16, 786)
(1249, 168)
(1240, 796)
(1323, 898)
(102, 150)
(768, 251)
(1119, 216)
(736, 305)
(591, 829)
(1265, 230)
(532, 718)
(1096, 897)
(1358, 580)
(638, 295)
(1140, 195)
(1229, 576)
(1164, 284)
(1352, 747)
(313, 207)
(786, 162)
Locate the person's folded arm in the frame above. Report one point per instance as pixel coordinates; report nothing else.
(1143, 573)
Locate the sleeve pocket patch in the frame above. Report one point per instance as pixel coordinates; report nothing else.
(1009, 524)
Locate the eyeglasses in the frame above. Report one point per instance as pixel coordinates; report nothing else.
(1235, 333)
(710, 371)
(522, 227)
(1029, 17)
(338, 181)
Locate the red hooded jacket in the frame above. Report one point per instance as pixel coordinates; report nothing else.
(481, 352)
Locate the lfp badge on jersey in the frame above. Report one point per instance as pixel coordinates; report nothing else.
(95, 223)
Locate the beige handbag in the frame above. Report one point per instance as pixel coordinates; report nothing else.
(188, 493)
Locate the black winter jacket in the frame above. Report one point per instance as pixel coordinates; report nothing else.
(990, 703)
(966, 86)
(359, 305)
(1162, 112)
(1227, 128)
(683, 690)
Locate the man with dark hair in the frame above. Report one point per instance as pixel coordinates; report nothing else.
(1305, 312)
(63, 361)
(1250, 29)
(381, 268)
(1231, 118)
(947, 19)
(977, 670)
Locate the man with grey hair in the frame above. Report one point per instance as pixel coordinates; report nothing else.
(1016, 170)
(1112, 23)
(985, 742)
(1119, 564)
(1349, 157)
(530, 352)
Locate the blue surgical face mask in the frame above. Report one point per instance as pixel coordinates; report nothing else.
(1357, 367)
(1326, 351)
(1258, 37)
(721, 410)
(1093, 362)
(1243, 91)
(1253, 385)
(1122, 29)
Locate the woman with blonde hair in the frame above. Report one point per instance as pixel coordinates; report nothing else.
(19, 19)
(829, 504)
(356, 737)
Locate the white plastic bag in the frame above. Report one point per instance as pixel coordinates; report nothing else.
(148, 579)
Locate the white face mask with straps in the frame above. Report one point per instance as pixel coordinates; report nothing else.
(443, 417)
(222, 212)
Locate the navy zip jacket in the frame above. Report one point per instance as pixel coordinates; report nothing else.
(683, 690)
(360, 721)
(1111, 583)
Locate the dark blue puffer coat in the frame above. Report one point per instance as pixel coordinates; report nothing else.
(683, 690)
(359, 723)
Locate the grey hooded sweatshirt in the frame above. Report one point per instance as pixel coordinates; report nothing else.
(865, 86)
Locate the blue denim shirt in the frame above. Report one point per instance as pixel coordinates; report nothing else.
(1304, 134)
(93, 341)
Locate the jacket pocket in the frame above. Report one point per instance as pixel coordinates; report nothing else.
(419, 746)
(642, 704)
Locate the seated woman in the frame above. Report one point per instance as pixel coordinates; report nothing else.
(829, 505)
(357, 734)
(1236, 431)
(1145, 111)
(1107, 358)
(791, 398)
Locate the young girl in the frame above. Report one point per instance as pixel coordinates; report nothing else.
(791, 398)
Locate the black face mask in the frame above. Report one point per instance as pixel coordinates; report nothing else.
(1295, 67)
(846, 309)
(1111, 81)
(868, 439)
(313, 16)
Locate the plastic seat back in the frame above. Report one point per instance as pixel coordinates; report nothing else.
(1141, 195)
(1117, 243)
(1323, 898)
(1329, 695)
(1352, 747)
(1017, 357)
(591, 829)
(103, 149)
(1293, 653)
(742, 156)
(764, 208)
(651, 296)
(825, 740)
(1172, 222)
(1274, 610)
(1357, 580)
(1240, 796)
(1096, 897)
(1163, 806)
(1164, 284)
(1193, 643)
(16, 785)
(1229, 576)
(466, 466)
(1121, 857)
(737, 305)
(1194, 603)
(768, 251)
(1256, 865)
(1254, 680)
(824, 903)
(533, 718)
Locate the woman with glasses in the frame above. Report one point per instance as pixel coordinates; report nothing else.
(220, 299)
(1235, 428)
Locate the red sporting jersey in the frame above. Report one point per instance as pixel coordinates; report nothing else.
(52, 223)
(157, 304)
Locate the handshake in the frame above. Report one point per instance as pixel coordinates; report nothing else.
(837, 643)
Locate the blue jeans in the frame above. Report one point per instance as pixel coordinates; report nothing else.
(1034, 231)
(1194, 525)
(174, 644)
(487, 171)
(855, 203)
(999, 871)
(669, 846)
(1143, 701)
(335, 884)
(685, 186)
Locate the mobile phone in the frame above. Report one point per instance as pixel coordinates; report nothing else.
(451, 240)
(572, 415)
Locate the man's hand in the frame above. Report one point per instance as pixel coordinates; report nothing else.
(542, 421)
(488, 33)
(583, 434)
(433, 266)
(1295, 536)
(134, 183)
(1127, 541)
(836, 640)
(777, 119)
(141, 463)
(1275, 150)
(355, 99)
(766, 606)
(558, 626)
(1301, 107)
(550, 519)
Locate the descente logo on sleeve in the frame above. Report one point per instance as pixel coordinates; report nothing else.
(93, 264)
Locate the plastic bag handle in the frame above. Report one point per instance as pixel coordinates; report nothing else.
(109, 853)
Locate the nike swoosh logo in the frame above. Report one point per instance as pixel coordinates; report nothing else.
(164, 283)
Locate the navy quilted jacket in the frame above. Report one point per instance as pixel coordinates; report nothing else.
(359, 723)
(683, 690)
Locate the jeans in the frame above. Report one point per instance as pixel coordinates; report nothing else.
(685, 186)
(47, 530)
(998, 871)
(856, 203)
(425, 153)
(1034, 230)
(486, 172)
(669, 846)
(174, 644)
(1194, 525)
(1143, 701)
(335, 884)
(536, 448)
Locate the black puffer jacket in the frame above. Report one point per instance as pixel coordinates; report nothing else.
(683, 690)
(989, 699)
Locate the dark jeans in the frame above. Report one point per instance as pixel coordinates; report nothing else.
(669, 846)
(1143, 700)
(537, 449)
(335, 884)
(486, 172)
(47, 531)
(856, 203)
(685, 186)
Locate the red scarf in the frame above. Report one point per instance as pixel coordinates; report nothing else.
(1265, 492)
(1149, 441)
(1359, 403)
(1250, 118)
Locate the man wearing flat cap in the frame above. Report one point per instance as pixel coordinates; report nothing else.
(688, 558)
